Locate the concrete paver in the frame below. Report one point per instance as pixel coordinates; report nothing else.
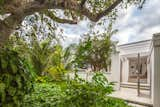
(130, 95)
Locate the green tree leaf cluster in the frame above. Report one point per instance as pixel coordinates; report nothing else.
(94, 51)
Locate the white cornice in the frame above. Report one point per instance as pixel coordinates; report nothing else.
(134, 48)
(135, 44)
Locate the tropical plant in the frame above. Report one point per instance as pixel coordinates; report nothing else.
(74, 93)
(15, 78)
(45, 56)
(81, 93)
(60, 62)
(40, 55)
(45, 95)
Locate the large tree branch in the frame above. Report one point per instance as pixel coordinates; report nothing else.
(7, 26)
(95, 17)
(59, 20)
(108, 10)
(19, 13)
(77, 8)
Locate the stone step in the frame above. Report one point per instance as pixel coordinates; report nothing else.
(134, 86)
(135, 103)
(138, 104)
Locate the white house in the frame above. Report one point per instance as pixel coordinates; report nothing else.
(124, 67)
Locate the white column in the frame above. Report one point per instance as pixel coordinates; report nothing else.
(156, 71)
(115, 72)
(148, 73)
(127, 70)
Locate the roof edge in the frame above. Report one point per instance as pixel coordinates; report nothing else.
(134, 42)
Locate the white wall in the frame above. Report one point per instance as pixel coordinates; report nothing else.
(156, 70)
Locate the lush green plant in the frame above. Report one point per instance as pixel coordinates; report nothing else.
(74, 93)
(45, 95)
(44, 79)
(81, 93)
(15, 78)
(60, 62)
(44, 56)
(95, 50)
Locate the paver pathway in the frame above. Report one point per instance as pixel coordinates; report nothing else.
(130, 95)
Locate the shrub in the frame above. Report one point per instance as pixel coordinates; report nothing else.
(45, 95)
(80, 93)
(74, 93)
(15, 78)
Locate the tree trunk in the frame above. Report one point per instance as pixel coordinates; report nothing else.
(7, 27)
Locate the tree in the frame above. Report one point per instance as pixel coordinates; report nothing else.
(95, 51)
(74, 10)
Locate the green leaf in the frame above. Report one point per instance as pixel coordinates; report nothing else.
(2, 2)
(2, 92)
(14, 68)
(12, 90)
(4, 63)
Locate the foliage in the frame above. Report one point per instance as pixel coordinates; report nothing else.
(44, 79)
(15, 78)
(95, 51)
(45, 56)
(81, 93)
(74, 93)
(60, 62)
(45, 95)
(40, 54)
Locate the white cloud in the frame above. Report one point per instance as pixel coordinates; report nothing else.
(135, 24)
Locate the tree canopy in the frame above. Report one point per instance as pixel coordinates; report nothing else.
(94, 50)
(73, 11)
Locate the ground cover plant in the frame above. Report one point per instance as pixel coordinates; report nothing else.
(74, 93)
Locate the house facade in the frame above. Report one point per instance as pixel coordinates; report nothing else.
(124, 68)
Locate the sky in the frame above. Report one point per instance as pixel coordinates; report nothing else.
(133, 24)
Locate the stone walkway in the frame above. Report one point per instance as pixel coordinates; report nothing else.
(130, 95)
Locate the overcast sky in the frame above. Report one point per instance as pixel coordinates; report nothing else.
(133, 24)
